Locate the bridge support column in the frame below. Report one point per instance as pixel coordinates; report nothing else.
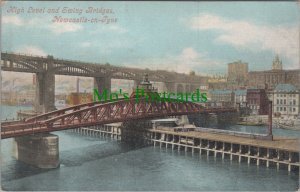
(101, 83)
(135, 132)
(45, 90)
(194, 87)
(187, 88)
(38, 150)
(180, 88)
(136, 83)
(170, 87)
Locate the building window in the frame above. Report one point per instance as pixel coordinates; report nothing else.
(281, 101)
(294, 102)
(277, 109)
(284, 101)
(284, 108)
(277, 101)
(294, 109)
(280, 108)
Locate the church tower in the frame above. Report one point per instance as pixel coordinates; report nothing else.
(277, 63)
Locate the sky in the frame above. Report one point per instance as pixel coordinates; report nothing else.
(175, 36)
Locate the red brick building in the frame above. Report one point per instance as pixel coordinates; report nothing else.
(79, 98)
(257, 101)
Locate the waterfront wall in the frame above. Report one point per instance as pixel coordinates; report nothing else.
(213, 120)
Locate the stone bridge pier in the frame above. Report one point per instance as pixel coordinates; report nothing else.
(102, 83)
(45, 89)
(135, 132)
(171, 87)
(40, 150)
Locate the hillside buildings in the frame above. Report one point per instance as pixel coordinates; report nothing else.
(237, 73)
(286, 99)
(257, 100)
(271, 78)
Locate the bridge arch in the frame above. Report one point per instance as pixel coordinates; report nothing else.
(21, 64)
(75, 69)
(194, 87)
(187, 88)
(180, 88)
(123, 75)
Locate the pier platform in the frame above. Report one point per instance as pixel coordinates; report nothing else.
(282, 152)
(282, 143)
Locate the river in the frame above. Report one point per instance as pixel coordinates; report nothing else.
(95, 163)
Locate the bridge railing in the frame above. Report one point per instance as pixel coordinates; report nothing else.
(23, 54)
(180, 109)
(19, 128)
(103, 113)
(87, 106)
(167, 76)
(10, 121)
(64, 110)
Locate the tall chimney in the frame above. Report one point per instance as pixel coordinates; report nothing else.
(77, 85)
(34, 79)
(270, 134)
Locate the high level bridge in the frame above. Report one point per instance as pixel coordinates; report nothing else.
(46, 68)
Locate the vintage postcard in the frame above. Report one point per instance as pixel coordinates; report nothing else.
(150, 96)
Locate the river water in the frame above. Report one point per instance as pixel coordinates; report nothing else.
(90, 163)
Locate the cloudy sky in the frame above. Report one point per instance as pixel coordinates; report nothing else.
(178, 36)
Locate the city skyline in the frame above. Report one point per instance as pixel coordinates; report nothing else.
(66, 83)
(197, 36)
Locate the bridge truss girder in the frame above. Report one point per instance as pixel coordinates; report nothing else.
(103, 113)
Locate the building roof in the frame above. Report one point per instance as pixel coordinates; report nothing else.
(275, 71)
(217, 91)
(285, 88)
(240, 92)
(165, 120)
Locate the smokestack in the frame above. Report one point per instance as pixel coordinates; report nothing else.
(34, 79)
(270, 134)
(77, 85)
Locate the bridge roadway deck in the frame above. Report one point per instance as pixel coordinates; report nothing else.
(281, 143)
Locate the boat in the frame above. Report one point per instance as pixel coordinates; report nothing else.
(292, 124)
(250, 123)
(59, 104)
